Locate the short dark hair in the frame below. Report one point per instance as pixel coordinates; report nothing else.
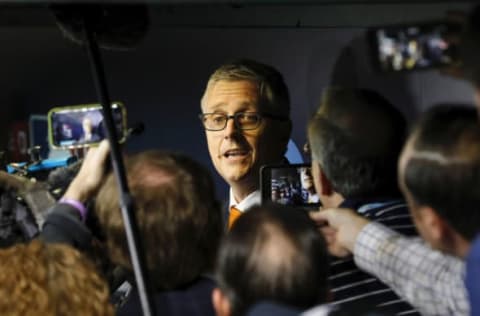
(179, 218)
(356, 136)
(273, 91)
(273, 253)
(443, 171)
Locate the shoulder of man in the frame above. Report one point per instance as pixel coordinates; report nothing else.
(393, 213)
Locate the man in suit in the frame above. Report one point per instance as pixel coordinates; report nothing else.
(246, 116)
(355, 139)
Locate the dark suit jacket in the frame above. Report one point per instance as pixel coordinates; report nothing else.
(195, 299)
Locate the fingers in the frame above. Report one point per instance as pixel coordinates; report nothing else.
(91, 174)
(102, 151)
(332, 217)
(104, 148)
(321, 218)
(335, 248)
(340, 228)
(329, 234)
(97, 155)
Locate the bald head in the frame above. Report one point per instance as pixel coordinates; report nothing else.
(283, 255)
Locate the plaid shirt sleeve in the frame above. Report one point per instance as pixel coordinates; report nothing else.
(431, 281)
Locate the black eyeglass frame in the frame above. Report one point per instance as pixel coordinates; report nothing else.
(261, 115)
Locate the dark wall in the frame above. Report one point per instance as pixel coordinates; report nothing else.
(162, 81)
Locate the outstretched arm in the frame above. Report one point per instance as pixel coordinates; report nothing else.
(429, 280)
(65, 222)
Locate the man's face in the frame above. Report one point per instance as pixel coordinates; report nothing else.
(306, 178)
(87, 125)
(238, 154)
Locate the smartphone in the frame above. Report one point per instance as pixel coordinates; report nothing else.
(289, 185)
(413, 47)
(83, 125)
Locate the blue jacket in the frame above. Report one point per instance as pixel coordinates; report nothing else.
(473, 277)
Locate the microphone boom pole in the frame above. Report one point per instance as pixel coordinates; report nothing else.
(126, 200)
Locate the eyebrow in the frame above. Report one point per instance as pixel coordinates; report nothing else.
(244, 107)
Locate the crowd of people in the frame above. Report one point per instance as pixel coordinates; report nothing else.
(397, 232)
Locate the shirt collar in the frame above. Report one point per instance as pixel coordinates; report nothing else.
(252, 199)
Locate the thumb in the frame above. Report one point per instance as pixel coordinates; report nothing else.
(322, 218)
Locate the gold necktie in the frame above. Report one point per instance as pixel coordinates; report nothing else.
(233, 216)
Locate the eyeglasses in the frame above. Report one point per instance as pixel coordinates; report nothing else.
(242, 120)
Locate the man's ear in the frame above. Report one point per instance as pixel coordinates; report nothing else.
(326, 185)
(221, 304)
(435, 226)
(322, 184)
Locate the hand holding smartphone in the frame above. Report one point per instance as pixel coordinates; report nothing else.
(82, 125)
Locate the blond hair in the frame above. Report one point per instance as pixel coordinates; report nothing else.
(50, 279)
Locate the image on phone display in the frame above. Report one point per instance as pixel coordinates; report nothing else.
(412, 47)
(82, 125)
(289, 185)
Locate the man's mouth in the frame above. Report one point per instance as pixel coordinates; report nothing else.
(235, 153)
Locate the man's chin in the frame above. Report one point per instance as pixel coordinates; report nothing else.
(237, 177)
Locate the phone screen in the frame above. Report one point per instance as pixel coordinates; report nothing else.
(289, 185)
(79, 126)
(400, 48)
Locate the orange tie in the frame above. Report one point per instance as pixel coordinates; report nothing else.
(233, 216)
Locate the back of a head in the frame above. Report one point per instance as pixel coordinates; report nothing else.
(272, 89)
(179, 218)
(50, 280)
(356, 136)
(273, 253)
(443, 166)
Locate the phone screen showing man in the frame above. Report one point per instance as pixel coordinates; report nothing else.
(289, 185)
(81, 126)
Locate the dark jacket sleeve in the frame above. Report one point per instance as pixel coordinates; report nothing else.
(63, 225)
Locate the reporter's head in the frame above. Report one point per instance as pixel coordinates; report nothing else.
(439, 173)
(355, 139)
(273, 253)
(179, 219)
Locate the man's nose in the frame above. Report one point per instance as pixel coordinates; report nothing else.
(231, 128)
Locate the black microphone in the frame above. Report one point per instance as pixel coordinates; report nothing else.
(116, 26)
(136, 130)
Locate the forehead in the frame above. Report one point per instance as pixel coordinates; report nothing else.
(234, 95)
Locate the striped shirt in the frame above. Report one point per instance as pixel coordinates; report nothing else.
(354, 289)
